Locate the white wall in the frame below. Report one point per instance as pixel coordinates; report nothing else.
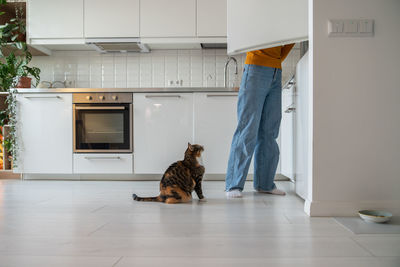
(197, 68)
(356, 85)
(90, 69)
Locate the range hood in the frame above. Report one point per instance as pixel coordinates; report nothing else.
(117, 45)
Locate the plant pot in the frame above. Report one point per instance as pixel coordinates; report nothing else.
(3, 104)
(24, 82)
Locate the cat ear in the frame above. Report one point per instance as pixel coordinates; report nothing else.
(190, 147)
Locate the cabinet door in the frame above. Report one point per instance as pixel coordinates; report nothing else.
(103, 163)
(44, 133)
(172, 18)
(119, 18)
(55, 19)
(211, 18)
(286, 134)
(303, 136)
(215, 121)
(259, 24)
(163, 125)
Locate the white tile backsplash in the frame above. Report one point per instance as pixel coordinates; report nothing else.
(195, 68)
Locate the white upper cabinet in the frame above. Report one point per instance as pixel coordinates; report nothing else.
(259, 24)
(211, 18)
(105, 19)
(168, 18)
(55, 19)
(44, 133)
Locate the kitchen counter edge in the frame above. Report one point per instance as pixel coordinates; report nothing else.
(130, 90)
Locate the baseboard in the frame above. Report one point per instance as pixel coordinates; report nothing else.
(125, 177)
(331, 208)
(113, 177)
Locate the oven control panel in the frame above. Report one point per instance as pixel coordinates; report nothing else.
(84, 98)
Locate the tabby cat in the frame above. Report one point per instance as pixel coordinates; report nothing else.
(180, 179)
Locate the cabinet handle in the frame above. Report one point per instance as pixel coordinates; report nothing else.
(289, 85)
(290, 110)
(56, 97)
(100, 158)
(220, 95)
(154, 96)
(106, 107)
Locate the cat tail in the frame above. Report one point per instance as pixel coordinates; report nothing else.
(150, 199)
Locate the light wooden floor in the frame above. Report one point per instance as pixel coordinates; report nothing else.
(72, 223)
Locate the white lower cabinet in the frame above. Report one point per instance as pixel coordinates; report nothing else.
(215, 121)
(286, 135)
(163, 125)
(44, 133)
(103, 163)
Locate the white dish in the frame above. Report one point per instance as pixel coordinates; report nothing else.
(377, 216)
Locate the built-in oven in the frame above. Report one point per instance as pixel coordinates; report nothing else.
(103, 122)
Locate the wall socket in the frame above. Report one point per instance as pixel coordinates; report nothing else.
(176, 83)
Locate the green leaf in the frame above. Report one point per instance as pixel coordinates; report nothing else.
(19, 45)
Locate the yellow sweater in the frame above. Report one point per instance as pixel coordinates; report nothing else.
(270, 57)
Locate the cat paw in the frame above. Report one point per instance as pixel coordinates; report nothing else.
(203, 199)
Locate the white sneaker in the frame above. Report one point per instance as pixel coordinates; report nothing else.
(235, 193)
(275, 191)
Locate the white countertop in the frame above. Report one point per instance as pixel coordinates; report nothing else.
(128, 90)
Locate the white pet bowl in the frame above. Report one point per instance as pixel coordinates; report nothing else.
(377, 216)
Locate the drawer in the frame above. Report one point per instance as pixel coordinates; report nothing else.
(103, 163)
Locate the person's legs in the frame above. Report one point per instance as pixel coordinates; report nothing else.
(266, 155)
(253, 90)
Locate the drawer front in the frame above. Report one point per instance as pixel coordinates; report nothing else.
(103, 163)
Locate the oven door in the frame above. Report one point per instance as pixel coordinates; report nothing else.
(102, 128)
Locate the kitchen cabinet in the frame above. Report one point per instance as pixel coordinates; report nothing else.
(259, 24)
(287, 134)
(103, 163)
(55, 19)
(172, 18)
(215, 121)
(105, 19)
(303, 137)
(163, 125)
(44, 133)
(211, 18)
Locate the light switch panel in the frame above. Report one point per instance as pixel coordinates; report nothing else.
(336, 26)
(366, 26)
(350, 27)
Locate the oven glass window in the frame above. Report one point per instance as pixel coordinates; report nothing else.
(102, 128)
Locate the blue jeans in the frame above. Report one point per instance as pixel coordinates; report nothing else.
(259, 117)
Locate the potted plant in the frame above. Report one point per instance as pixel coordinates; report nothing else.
(14, 70)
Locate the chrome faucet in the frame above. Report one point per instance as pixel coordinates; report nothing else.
(226, 69)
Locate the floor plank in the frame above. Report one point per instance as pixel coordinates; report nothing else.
(96, 223)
